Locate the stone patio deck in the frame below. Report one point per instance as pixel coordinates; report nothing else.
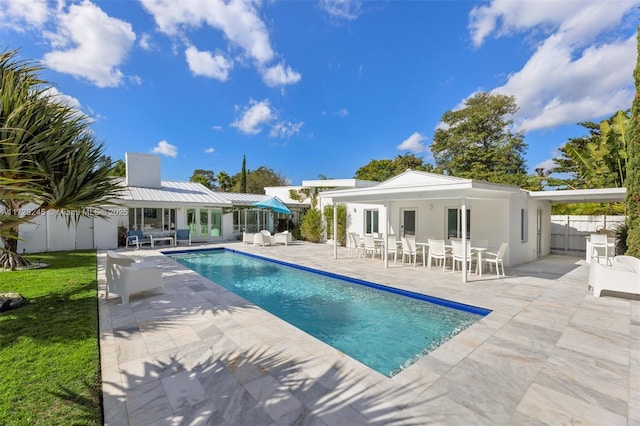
(549, 353)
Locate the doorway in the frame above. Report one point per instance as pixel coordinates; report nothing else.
(407, 222)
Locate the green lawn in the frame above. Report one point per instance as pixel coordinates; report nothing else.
(49, 354)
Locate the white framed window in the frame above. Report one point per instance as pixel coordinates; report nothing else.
(371, 221)
(454, 223)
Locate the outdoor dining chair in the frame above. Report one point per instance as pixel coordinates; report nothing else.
(459, 255)
(409, 250)
(438, 252)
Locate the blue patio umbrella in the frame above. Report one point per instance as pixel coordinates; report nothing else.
(274, 204)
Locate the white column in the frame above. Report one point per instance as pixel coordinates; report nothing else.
(335, 230)
(463, 212)
(386, 235)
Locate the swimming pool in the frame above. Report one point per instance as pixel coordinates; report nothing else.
(384, 328)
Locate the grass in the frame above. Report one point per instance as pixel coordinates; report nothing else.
(49, 353)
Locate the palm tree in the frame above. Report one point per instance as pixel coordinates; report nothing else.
(49, 158)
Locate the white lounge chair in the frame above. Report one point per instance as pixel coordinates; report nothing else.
(283, 237)
(496, 259)
(264, 238)
(247, 237)
(125, 276)
(623, 276)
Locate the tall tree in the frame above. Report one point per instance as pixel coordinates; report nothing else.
(49, 158)
(598, 160)
(205, 177)
(381, 170)
(633, 167)
(243, 176)
(119, 169)
(256, 180)
(476, 141)
(225, 182)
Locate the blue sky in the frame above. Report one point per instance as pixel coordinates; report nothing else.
(321, 88)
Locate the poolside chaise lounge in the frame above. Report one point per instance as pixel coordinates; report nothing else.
(125, 276)
(623, 276)
(247, 237)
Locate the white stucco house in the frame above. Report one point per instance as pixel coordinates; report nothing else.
(155, 206)
(422, 204)
(427, 205)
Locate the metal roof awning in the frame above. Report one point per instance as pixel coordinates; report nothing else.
(598, 195)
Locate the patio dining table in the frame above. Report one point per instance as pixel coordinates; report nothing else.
(477, 250)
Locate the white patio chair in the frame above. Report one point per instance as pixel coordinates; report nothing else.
(370, 246)
(600, 248)
(409, 250)
(125, 276)
(458, 254)
(438, 252)
(355, 243)
(283, 237)
(393, 247)
(496, 259)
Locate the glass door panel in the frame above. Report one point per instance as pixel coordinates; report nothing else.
(408, 225)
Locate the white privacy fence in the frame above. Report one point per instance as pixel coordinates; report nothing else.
(568, 233)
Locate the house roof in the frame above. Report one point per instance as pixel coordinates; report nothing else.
(597, 195)
(423, 185)
(175, 192)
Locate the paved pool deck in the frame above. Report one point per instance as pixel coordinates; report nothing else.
(549, 353)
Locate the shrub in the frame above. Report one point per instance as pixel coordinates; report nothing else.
(311, 228)
(342, 223)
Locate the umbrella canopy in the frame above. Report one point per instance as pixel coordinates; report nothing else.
(274, 204)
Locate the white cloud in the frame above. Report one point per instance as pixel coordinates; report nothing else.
(546, 165)
(279, 75)
(414, 143)
(285, 130)
(254, 117)
(145, 41)
(342, 9)
(238, 20)
(343, 112)
(19, 15)
(209, 150)
(578, 72)
(63, 99)
(217, 128)
(207, 64)
(165, 148)
(90, 44)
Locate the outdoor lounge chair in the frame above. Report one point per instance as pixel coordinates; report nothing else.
(623, 276)
(264, 238)
(283, 237)
(125, 276)
(136, 237)
(247, 237)
(183, 235)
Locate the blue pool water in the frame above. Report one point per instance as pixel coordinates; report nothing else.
(376, 325)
